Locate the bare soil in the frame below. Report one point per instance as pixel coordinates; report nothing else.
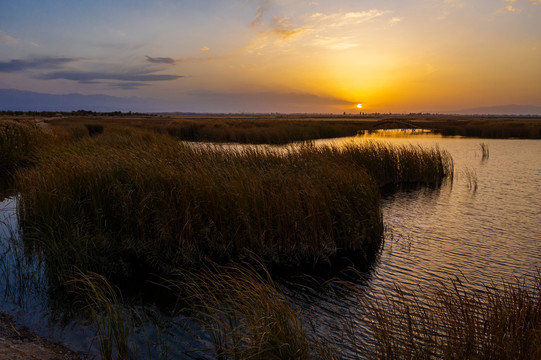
(19, 343)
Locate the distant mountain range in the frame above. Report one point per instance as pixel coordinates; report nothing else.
(11, 99)
(501, 110)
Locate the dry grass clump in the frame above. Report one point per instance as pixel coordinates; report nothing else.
(153, 202)
(104, 305)
(485, 152)
(394, 165)
(19, 143)
(454, 322)
(244, 312)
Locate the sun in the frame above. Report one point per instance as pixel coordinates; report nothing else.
(359, 106)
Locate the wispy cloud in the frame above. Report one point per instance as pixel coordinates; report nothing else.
(321, 27)
(161, 60)
(38, 63)
(277, 27)
(8, 39)
(347, 18)
(336, 43)
(395, 20)
(282, 28)
(87, 77)
(512, 8)
(262, 9)
(127, 85)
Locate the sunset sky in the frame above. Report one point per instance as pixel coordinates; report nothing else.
(277, 55)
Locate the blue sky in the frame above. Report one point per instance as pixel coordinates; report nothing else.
(274, 55)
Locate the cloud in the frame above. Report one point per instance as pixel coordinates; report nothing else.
(161, 60)
(8, 39)
(535, 2)
(277, 26)
(348, 18)
(89, 77)
(282, 28)
(336, 43)
(261, 10)
(205, 48)
(510, 7)
(127, 85)
(38, 63)
(200, 59)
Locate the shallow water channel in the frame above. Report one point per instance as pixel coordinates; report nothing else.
(485, 226)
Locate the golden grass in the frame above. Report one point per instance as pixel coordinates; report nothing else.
(150, 202)
(280, 129)
(19, 143)
(249, 317)
(104, 304)
(245, 313)
(455, 322)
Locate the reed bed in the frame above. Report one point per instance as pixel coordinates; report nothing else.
(105, 305)
(456, 322)
(245, 313)
(249, 317)
(489, 128)
(20, 142)
(120, 204)
(281, 129)
(257, 131)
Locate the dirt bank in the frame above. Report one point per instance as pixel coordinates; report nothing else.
(19, 343)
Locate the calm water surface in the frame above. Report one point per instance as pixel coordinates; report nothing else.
(485, 225)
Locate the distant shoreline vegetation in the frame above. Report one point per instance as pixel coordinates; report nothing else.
(283, 129)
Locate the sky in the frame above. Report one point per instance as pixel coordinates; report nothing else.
(278, 55)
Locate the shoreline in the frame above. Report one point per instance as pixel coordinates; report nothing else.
(19, 343)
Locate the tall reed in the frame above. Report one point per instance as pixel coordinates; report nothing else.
(104, 304)
(19, 143)
(244, 311)
(248, 316)
(149, 202)
(456, 322)
(485, 153)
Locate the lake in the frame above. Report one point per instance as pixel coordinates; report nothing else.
(484, 226)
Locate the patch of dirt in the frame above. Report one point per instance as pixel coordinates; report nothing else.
(19, 343)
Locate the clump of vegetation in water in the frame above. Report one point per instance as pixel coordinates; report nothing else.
(245, 313)
(485, 153)
(451, 321)
(123, 203)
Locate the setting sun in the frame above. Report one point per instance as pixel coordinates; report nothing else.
(359, 106)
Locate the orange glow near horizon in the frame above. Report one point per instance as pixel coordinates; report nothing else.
(278, 56)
